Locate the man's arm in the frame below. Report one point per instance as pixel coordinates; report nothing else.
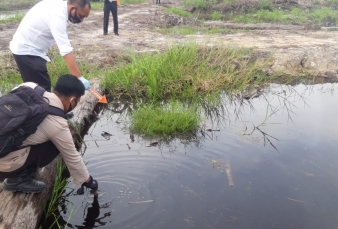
(72, 65)
(58, 28)
(74, 69)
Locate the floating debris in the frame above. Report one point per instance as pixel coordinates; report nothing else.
(152, 144)
(253, 94)
(299, 201)
(184, 141)
(217, 164)
(141, 202)
(229, 175)
(210, 130)
(106, 135)
(132, 137)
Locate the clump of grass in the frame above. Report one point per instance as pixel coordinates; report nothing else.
(199, 4)
(216, 15)
(153, 120)
(60, 184)
(265, 5)
(186, 72)
(15, 18)
(178, 12)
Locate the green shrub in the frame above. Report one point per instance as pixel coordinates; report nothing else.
(216, 15)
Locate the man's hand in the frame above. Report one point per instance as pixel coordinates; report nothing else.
(85, 82)
(92, 184)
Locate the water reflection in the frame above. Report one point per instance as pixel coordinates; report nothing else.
(228, 174)
(93, 218)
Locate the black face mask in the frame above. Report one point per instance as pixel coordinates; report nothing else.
(74, 19)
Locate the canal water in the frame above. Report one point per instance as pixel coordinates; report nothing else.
(268, 162)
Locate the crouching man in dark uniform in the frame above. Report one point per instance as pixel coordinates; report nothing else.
(52, 137)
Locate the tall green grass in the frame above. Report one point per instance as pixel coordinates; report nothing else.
(59, 186)
(186, 72)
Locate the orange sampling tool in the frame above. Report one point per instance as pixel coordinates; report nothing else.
(101, 98)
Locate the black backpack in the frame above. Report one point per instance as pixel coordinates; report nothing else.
(21, 112)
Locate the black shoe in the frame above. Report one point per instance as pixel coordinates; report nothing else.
(69, 115)
(24, 182)
(104, 33)
(117, 34)
(27, 185)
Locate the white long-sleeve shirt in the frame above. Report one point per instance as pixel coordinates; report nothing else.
(43, 25)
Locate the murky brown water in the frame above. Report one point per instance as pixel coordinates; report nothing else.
(284, 173)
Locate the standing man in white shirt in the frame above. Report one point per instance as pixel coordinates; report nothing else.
(43, 25)
(110, 6)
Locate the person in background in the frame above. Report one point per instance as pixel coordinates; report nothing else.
(43, 25)
(52, 137)
(110, 6)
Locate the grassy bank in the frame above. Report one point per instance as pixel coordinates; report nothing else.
(187, 72)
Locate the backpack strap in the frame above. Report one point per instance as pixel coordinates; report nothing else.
(57, 111)
(52, 110)
(40, 90)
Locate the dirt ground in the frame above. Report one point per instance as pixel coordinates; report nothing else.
(295, 49)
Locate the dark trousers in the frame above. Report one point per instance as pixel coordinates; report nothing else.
(110, 7)
(38, 157)
(33, 69)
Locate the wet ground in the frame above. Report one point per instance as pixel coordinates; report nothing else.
(270, 162)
